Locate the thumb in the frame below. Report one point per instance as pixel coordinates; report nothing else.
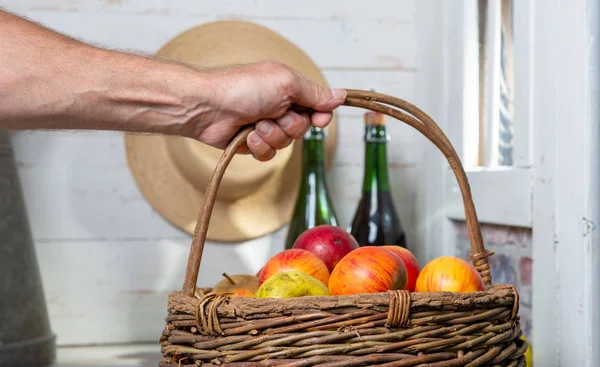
(305, 93)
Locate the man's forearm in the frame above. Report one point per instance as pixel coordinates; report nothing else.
(49, 81)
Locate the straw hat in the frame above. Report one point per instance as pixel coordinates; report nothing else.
(254, 198)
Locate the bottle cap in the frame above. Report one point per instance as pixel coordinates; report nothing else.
(374, 118)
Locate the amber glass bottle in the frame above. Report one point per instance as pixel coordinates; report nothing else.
(376, 222)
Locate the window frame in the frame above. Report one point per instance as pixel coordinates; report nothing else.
(510, 186)
(557, 89)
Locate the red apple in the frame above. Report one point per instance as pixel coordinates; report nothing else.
(329, 243)
(295, 259)
(368, 269)
(449, 274)
(411, 263)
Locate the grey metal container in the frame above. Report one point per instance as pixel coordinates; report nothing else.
(26, 339)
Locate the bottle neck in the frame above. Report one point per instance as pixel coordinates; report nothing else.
(376, 173)
(313, 153)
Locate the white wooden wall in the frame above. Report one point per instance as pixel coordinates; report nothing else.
(108, 261)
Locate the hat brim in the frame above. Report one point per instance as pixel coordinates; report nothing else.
(169, 191)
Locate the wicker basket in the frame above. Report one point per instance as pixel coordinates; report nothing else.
(395, 328)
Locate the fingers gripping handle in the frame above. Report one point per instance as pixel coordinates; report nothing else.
(403, 111)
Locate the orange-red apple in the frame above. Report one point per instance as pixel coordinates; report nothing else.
(411, 263)
(295, 259)
(238, 285)
(449, 274)
(328, 242)
(368, 269)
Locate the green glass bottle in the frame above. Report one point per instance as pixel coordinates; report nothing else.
(313, 204)
(376, 222)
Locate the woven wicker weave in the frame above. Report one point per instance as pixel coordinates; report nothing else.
(395, 328)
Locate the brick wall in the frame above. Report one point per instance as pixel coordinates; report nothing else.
(511, 264)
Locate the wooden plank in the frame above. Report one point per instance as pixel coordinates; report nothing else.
(501, 196)
(118, 294)
(577, 178)
(545, 300)
(461, 81)
(380, 10)
(567, 265)
(78, 186)
(467, 59)
(523, 83)
(492, 87)
(353, 44)
(434, 232)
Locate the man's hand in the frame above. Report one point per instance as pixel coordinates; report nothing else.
(50, 81)
(280, 100)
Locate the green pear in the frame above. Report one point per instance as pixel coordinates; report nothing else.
(290, 284)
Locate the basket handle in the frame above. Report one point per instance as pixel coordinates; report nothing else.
(378, 102)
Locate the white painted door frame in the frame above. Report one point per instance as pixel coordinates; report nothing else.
(566, 282)
(557, 167)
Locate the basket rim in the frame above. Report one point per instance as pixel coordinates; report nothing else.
(496, 295)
